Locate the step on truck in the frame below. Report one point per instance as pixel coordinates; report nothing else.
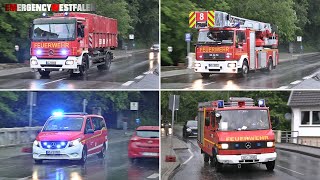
(233, 45)
(236, 132)
(72, 42)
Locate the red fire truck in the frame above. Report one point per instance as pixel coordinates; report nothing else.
(73, 42)
(236, 132)
(230, 44)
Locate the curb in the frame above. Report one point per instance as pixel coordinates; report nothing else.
(300, 152)
(170, 171)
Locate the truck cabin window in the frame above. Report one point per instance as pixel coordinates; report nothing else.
(243, 120)
(216, 37)
(53, 32)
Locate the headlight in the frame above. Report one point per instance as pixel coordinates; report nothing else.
(224, 146)
(74, 142)
(34, 62)
(270, 144)
(161, 124)
(188, 129)
(36, 143)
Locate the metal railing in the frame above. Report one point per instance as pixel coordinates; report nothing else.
(289, 136)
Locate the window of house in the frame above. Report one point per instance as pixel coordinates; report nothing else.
(305, 117)
(316, 117)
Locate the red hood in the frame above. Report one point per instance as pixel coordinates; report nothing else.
(243, 136)
(59, 136)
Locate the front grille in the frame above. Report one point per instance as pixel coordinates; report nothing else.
(54, 144)
(244, 145)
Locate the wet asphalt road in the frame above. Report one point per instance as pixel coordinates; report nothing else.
(284, 74)
(121, 71)
(289, 166)
(116, 165)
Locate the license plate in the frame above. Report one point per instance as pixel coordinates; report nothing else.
(52, 152)
(149, 154)
(248, 157)
(213, 65)
(51, 62)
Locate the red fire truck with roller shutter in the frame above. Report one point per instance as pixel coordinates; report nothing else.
(236, 132)
(230, 44)
(72, 41)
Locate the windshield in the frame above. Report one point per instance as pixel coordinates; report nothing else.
(192, 123)
(64, 124)
(243, 120)
(53, 32)
(156, 45)
(216, 37)
(148, 134)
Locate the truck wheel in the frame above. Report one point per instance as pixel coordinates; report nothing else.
(107, 64)
(205, 75)
(38, 161)
(216, 164)
(270, 65)
(84, 66)
(44, 73)
(84, 156)
(206, 157)
(270, 165)
(244, 69)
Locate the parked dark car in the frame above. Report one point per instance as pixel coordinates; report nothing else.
(190, 128)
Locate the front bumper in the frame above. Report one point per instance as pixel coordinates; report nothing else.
(216, 67)
(72, 62)
(236, 159)
(69, 153)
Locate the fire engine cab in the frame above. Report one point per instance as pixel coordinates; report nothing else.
(230, 44)
(236, 132)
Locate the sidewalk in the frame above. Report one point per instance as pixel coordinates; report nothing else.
(168, 71)
(149, 81)
(7, 69)
(114, 136)
(301, 149)
(167, 168)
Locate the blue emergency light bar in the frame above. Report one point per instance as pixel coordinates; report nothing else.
(57, 113)
(261, 103)
(220, 104)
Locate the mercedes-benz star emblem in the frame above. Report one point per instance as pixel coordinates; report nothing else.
(53, 144)
(248, 145)
(50, 52)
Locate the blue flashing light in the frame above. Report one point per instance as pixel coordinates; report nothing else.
(258, 144)
(44, 14)
(45, 143)
(64, 52)
(220, 104)
(38, 52)
(66, 13)
(63, 143)
(58, 146)
(236, 145)
(261, 103)
(57, 113)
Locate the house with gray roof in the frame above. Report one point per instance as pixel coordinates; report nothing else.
(305, 106)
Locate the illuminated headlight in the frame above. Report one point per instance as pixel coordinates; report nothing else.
(74, 142)
(188, 129)
(224, 146)
(34, 62)
(36, 143)
(69, 62)
(231, 65)
(197, 65)
(270, 144)
(162, 124)
(64, 52)
(38, 52)
(200, 56)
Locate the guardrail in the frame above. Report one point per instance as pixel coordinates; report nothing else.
(16, 136)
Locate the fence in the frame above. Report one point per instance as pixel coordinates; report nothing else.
(16, 136)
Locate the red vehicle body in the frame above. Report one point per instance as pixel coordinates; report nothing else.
(237, 132)
(230, 44)
(144, 143)
(71, 136)
(73, 41)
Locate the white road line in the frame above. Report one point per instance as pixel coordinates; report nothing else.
(206, 84)
(296, 82)
(290, 170)
(127, 83)
(307, 77)
(189, 157)
(153, 176)
(138, 77)
(54, 81)
(283, 87)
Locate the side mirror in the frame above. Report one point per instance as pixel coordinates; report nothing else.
(82, 28)
(90, 131)
(207, 121)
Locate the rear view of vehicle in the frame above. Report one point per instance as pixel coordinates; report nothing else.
(190, 128)
(144, 143)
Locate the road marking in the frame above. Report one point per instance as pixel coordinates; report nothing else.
(283, 87)
(296, 82)
(54, 81)
(138, 77)
(189, 157)
(127, 83)
(209, 83)
(153, 176)
(291, 170)
(307, 77)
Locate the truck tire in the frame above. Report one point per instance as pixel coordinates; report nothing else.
(244, 69)
(85, 65)
(206, 157)
(107, 64)
(205, 75)
(44, 73)
(270, 165)
(270, 65)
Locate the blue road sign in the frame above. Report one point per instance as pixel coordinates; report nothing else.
(138, 121)
(188, 37)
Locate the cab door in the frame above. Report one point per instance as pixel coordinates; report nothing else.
(89, 142)
(240, 44)
(98, 134)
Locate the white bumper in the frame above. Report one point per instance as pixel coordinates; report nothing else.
(70, 153)
(236, 159)
(216, 67)
(55, 64)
